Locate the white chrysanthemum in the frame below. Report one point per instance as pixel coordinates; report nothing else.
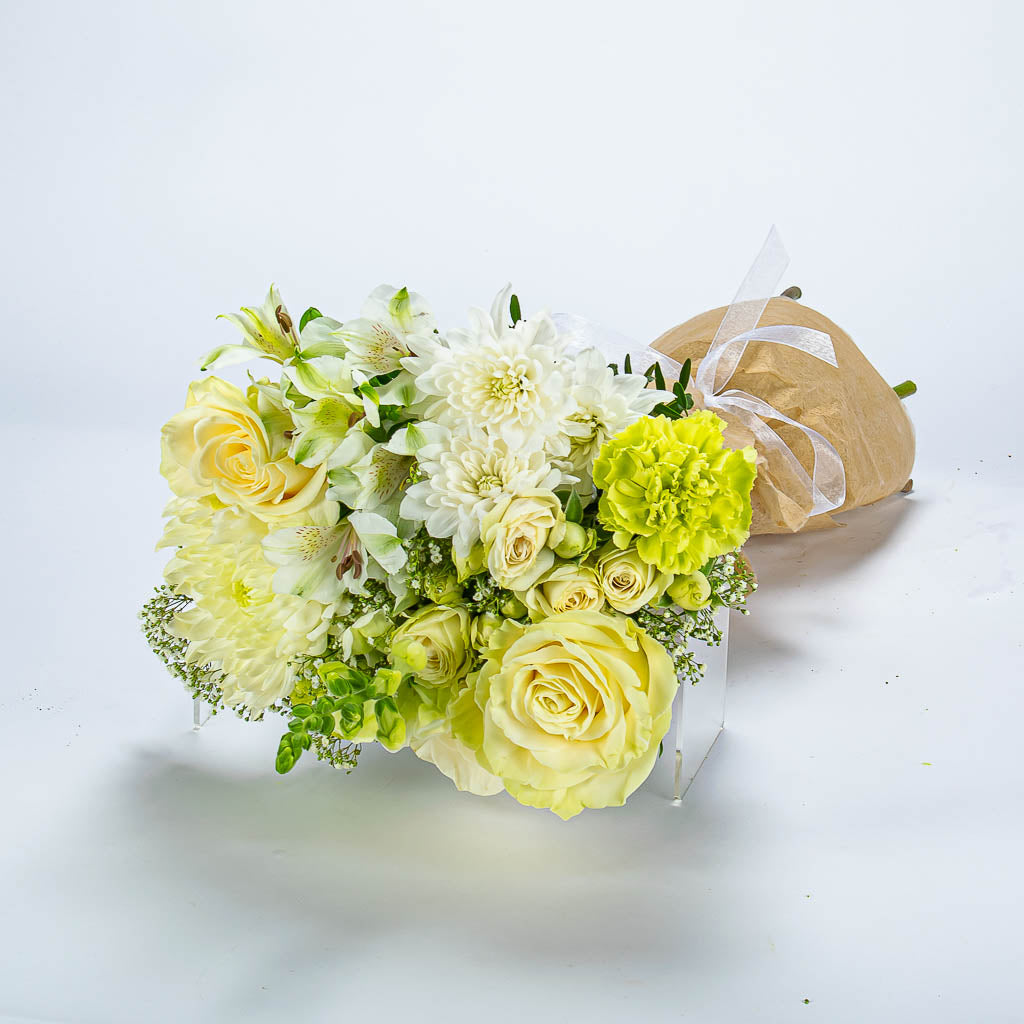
(511, 381)
(463, 478)
(236, 623)
(605, 404)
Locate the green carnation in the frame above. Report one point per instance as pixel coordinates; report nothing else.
(674, 487)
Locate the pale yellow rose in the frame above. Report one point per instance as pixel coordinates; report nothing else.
(220, 446)
(516, 534)
(569, 712)
(433, 644)
(453, 758)
(565, 588)
(628, 581)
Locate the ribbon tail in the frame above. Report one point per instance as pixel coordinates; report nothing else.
(826, 485)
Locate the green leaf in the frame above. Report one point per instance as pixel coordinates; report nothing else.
(574, 508)
(659, 377)
(311, 314)
(627, 364)
(684, 374)
(301, 710)
(614, 367)
(679, 390)
(514, 310)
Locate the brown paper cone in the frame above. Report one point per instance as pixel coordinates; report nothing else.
(852, 406)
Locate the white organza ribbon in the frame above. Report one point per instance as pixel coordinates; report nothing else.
(826, 485)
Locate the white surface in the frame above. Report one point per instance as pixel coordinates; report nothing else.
(164, 162)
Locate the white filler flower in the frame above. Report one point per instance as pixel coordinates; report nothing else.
(512, 382)
(605, 404)
(463, 478)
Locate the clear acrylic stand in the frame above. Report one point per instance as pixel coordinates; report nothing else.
(698, 716)
(201, 713)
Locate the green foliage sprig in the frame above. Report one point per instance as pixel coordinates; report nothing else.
(350, 700)
(683, 401)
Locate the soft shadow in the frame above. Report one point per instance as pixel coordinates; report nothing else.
(785, 560)
(347, 867)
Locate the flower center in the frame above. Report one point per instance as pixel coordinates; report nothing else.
(242, 594)
(510, 383)
(487, 484)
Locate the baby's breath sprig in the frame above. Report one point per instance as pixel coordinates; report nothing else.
(732, 580)
(672, 627)
(429, 565)
(156, 614)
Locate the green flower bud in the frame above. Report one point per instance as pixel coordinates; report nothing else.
(691, 592)
(447, 590)
(513, 608)
(483, 629)
(574, 543)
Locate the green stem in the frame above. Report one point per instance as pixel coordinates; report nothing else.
(906, 389)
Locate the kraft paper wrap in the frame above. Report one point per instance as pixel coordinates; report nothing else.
(852, 406)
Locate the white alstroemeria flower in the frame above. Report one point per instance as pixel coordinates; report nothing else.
(268, 330)
(368, 475)
(511, 381)
(375, 343)
(323, 559)
(464, 476)
(327, 398)
(321, 425)
(606, 403)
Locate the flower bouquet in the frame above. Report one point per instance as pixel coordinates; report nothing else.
(489, 545)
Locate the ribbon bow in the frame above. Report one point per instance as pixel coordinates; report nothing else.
(826, 485)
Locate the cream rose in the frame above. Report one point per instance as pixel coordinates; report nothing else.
(220, 446)
(569, 712)
(565, 588)
(628, 581)
(454, 759)
(433, 644)
(516, 534)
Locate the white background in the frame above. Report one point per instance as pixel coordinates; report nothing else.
(856, 838)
